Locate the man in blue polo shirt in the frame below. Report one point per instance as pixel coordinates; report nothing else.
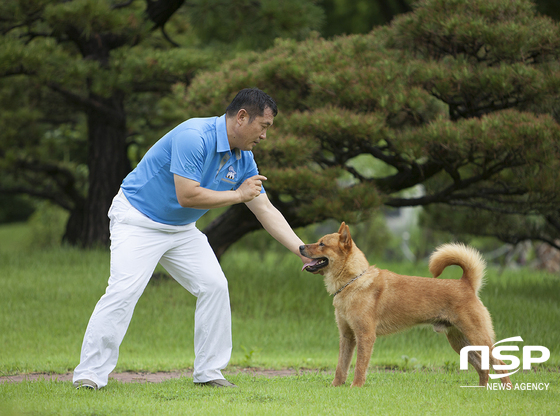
(201, 164)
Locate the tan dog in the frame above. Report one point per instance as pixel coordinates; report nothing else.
(370, 302)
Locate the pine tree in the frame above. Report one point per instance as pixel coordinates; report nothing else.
(461, 97)
(83, 87)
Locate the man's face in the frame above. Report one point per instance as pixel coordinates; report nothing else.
(252, 132)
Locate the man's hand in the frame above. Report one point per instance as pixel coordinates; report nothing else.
(250, 188)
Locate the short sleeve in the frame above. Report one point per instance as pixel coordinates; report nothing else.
(187, 154)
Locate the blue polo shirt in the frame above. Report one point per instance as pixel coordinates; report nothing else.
(197, 149)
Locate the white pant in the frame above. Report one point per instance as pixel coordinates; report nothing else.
(137, 245)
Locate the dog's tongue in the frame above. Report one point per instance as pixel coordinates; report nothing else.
(312, 263)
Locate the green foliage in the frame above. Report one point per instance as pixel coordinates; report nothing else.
(46, 226)
(253, 25)
(249, 356)
(90, 17)
(459, 96)
(84, 87)
(360, 16)
(490, 31)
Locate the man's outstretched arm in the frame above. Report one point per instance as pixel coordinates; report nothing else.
(275, 224)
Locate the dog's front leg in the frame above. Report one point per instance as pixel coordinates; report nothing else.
(365, 341)
(347, 344)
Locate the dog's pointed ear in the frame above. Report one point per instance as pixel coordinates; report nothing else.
(342, 227)
(345, 237)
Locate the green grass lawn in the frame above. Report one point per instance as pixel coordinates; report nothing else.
(281, 318)
(385, 393)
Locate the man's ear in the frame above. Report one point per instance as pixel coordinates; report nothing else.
(242, 117)
(345, 238)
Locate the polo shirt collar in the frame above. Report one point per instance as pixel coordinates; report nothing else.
(221, 133)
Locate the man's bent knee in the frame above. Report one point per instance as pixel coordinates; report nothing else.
(217, 285)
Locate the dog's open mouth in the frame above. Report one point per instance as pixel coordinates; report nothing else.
(315, 264)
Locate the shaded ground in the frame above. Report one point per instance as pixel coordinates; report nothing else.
(132, 377)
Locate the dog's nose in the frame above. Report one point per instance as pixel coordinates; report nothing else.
(301, 248)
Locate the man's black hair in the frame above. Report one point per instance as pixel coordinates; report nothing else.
(254, 101)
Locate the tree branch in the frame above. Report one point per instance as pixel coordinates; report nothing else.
(409, 177)
(160, 11)
(447, 194)
(18, 70)
(39, 193)
(63, 178)
(122, 5)
(166, 36)
(87, 103)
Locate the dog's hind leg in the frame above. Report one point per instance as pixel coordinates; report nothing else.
(494, 361)
(347, 344)
(480, 331)
(458, 340)
(473, 326)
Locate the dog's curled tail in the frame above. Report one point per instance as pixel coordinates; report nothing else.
(467, 258)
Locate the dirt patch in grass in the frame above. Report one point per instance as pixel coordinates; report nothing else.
(134, 377)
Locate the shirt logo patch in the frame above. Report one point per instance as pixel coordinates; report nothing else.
(231, 173)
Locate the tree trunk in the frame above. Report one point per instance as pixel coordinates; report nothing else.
(237, 221)
(108, 164)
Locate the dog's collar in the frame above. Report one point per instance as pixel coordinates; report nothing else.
(355, 278)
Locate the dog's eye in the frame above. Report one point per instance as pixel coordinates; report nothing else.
(321, 245)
